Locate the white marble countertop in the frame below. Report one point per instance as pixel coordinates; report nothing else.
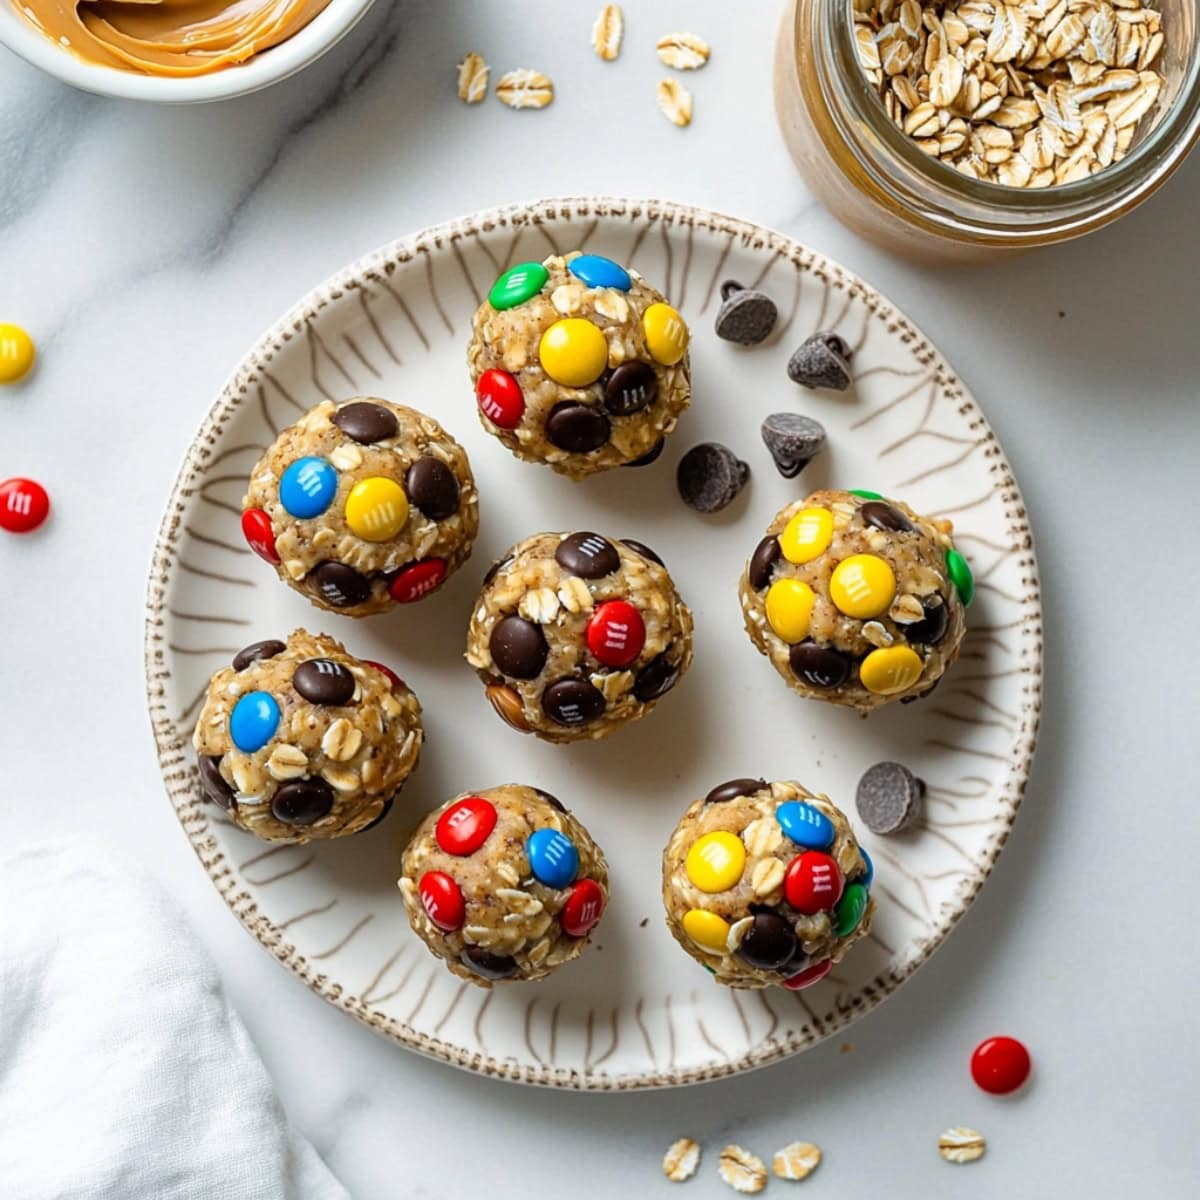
(145, 249)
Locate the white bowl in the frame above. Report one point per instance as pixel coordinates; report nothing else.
(290, 56)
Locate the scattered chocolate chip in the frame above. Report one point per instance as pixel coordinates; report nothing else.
(490, 966)
(655, 679)
(793, 440)
(322, 681)
(383, 812)
(819, 666)
(642, 549)
(550, 799)
(587, 555)
(572, 702)
(213, 783)
(518, 647)
(932, 627)
(431, 486)
(302, 801)
(257, 651)
(710, 476)
(651, 455)
(630, 388)
(746, 316)
(889, 798)
(507, 703)
(340, 585)
(577, 428)
(494, 570)
(884, 516)
(822, 361)
(366, 423)
(724, 792)
(762, 562)
(769, 943)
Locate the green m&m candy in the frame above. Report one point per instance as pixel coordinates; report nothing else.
(865, 495)
(850, 909)
(960, 576)
(518, 284)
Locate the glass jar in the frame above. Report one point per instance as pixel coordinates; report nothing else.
(875, 179)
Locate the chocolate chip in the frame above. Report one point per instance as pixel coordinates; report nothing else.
(822, 361)
(884, 516)
(932, 627)
(552, 800)
(587, 555)
(762, 562)
(769, 943)
(383, 812)
(710, 476)
(211, 780)
(490, 966)
(576, 428)
(651, 455)
(655, 679)
(793, 440)
(494, 570)
(572, 702)
(724, 792)
(746, 316)
(365, 422)
(642, 549)
(630, 388)
(889, 798)
(819, 666)
(431, 486)
(518, 647)
(340, 585)
(257, 651)
(302, 801)
(322, 681)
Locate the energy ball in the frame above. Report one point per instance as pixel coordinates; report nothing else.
(765, 884)
(856, 599)
(362, 506)
(579, 364)
(575, 634)
(503, 884)
(301, 740)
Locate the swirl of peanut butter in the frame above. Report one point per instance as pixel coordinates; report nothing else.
(169, 37)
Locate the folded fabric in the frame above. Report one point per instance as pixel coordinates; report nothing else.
(124, 1072)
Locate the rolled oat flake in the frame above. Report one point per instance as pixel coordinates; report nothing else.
(822, 361)
(746, 316)
(793, 440)
(889, 798)
(710, 476)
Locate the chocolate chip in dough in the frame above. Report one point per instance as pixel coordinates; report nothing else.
(485, 963)
(630, 388)
(819, 666)
(793, 440)
(257, 651)
(518, 647)
(746, 316)
(889, 798)
(821, 361)
(652, 455)
(383, 812)
(323, 681)
(724, 792)
(366, 423)
(552, 800)
(213, 783)
(577, 428)
(932, 627)
(710, 476)
(884, 516)
(340, 585)
(587, 555)
(655, 679)
(431, 486)
(762, 562)
(642, 549)
(495, 570)
(770, 942)
(572, 702)
(302, 801)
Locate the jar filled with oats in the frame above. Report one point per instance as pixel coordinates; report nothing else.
(958, 130)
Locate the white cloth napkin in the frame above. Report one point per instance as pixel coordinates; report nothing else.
(124, 1073)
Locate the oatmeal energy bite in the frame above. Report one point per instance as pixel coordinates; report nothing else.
(764, 883)
(577, 634)
(362, 506)
(503, 884)
(579, 364)
(301, 740)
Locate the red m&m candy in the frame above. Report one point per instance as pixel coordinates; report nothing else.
(392, 677)
(442, 901)
(813, 882)
(616, 633)
(1000, 1065)
(465, 826)
(418, 579)
(808, 976)
(500, 399)
(24, 505)
(584, 907)
(256, 528)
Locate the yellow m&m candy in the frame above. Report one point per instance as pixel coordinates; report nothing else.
(573, 352)
(863, 586)
(789, 609)
(890, 670)
(706, 929)
(666, 334)
(376, 509)
(807, 535)
(716, 861)
(16, 353)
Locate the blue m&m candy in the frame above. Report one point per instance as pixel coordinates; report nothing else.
(598, 272)
(307, 487)
(869, 877)
(553, 857)
(253, 722)
(806, 825)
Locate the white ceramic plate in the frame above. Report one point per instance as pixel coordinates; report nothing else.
(634, 1010)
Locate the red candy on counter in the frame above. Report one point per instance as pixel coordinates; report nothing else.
(442, 901)
(417, 580)
(256, 529)
(465, 826)
(24, 505)
(616, 633)
(584, 907)
(809, 976)
(813, 882)
(500, 399)
(1000, 1065)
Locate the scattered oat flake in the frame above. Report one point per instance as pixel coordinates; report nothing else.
(683, 51)
(608, 31)
(797, 1160)
(681, 1160)
(961, 1145)
(473, 75)
(675, 102)
(743, 1171)
(525, 88)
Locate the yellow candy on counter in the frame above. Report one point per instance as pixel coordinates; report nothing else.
(666, 334)
(807, 535)
(573, 352)
(706, 929)
(890, 670)
(376, 509)
(863, 586)
(716, 861)
(790, 608)
(16, 353)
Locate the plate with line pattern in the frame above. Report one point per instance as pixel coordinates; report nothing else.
(634, 1010)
